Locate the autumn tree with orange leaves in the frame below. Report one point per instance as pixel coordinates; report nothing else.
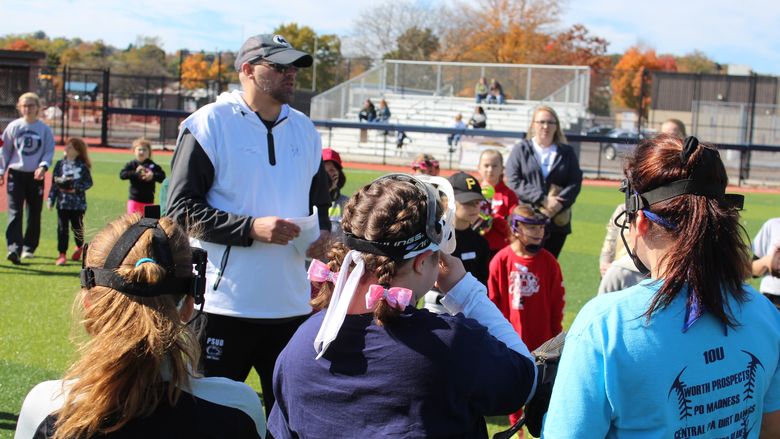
(631, 78)
(499, 31)
(198, 69)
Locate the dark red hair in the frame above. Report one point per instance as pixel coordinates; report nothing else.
(709, 246)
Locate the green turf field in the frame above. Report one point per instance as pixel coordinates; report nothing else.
(36, 299)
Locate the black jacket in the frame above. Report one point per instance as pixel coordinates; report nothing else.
(142, 191)
(524, 175)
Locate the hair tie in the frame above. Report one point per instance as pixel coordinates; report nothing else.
(691, 143)
(396, 297)
(144, 260)
(319, 272)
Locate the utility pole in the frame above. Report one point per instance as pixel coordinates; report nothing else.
(314, 67)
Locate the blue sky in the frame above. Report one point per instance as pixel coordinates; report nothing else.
(744, 32)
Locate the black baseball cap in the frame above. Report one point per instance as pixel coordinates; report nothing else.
(273, 48)
(466, 187)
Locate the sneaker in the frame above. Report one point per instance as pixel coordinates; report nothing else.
(27, 254)
(13, 257)
(61, 260)
(76, 256)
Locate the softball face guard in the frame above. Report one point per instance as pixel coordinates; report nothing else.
(438, 233)
(516, 222)
(193, 284)
(636, 201)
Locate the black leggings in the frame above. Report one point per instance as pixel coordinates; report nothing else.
(23, 191)
(232, 346)
(554, 242)
(67, 219)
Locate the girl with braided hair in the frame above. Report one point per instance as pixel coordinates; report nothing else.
(369, 364)
(692, 351)
(136, 373)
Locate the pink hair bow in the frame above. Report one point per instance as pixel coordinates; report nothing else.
(396, 297)
(319, 272)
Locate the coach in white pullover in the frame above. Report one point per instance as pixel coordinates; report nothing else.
(242, 165)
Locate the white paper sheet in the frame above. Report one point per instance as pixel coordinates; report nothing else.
(310, 231)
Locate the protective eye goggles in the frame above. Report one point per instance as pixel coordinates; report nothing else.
(191, 283)
(438, 233)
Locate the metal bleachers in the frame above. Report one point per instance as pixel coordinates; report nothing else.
(435, 104)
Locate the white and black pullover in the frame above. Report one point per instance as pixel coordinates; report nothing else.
(230, 168)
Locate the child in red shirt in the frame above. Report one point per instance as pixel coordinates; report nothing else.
(500, 200)
(526, 284)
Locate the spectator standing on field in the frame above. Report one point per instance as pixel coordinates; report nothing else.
(71, 178)
(143, 174)
(27, 152)
(243, 167)
(545, 172)
(765, 246)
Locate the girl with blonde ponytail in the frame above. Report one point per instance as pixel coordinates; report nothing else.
(370, 364)
(135, 375)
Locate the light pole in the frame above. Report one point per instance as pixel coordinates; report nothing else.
(314, 67)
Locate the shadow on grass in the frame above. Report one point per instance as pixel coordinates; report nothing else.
(33, 268)
(8, 421)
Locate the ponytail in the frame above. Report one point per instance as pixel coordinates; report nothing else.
(133, 341)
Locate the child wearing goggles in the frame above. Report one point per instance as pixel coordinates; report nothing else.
(526, 284)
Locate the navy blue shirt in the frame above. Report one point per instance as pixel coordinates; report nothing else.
(422, 375)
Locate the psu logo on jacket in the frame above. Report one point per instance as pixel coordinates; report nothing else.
(214, 348)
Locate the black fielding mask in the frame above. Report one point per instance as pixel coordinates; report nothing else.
(192, 284)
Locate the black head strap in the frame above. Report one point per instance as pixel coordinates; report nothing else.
(689, 147)
(394, 250)
(692, 185)
(160, 247)
(161, 253)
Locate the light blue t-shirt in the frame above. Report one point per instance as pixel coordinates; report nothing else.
(624, 377)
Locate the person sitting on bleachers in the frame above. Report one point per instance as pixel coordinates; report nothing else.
(479, 118)
(454, 139)
(383, 113)
(368, 113)
(481, 90)
(496, 95)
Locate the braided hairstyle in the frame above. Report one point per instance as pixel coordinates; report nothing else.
(385, 210)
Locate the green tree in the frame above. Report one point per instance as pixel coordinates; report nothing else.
(696, 62)
(415, 44)
(326, 50)
(145, 58)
